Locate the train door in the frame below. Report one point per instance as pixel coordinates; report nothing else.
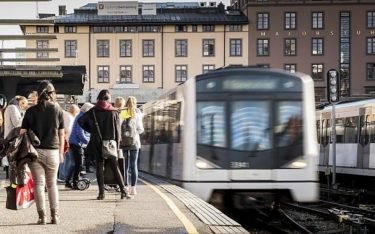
(325, 140)
(363, 151)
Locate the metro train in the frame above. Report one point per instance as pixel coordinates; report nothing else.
(236, 136)
(355, 143)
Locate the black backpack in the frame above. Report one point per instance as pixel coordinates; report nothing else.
(128, 134)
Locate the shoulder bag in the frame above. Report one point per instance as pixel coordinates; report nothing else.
(109, 147)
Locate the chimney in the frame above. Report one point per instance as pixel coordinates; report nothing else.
(62, 10)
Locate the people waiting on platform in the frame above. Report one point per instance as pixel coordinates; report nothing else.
(132, 117)
(47, 122)
(13, 117)
(78, 141)
(105, 127)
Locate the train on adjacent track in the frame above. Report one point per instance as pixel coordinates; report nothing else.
(236, 136)
(355, 143)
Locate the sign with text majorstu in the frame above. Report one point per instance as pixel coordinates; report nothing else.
(118, 8)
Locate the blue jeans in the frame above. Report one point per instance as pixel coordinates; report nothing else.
(69, 165)
(62, 167)
(131, 161)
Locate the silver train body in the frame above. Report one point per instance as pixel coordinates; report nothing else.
(355, 138)
(228, 133)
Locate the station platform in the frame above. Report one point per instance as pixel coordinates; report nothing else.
(159, 207)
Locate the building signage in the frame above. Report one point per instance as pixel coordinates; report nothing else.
(118, 8)
(148, 9)
(30, 73)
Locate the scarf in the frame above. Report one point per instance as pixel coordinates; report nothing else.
(104, 105)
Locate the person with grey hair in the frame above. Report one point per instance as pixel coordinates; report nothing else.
(78, 141)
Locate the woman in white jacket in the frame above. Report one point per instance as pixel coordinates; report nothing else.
(132, 118)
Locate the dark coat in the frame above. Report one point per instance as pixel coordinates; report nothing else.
(20, 150)
(109, 125)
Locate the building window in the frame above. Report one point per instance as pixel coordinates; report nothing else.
(317, 71)
(103, 74)
(208, 28)
(290, 47)
(70, 48)
(148, 74)
(194, 28)
(42, 44)
(317, 20)
(70, 29)
(263, 21)
(235, 28)
(181, 28)
(317, 46)
(320, 94)
(207, 68)
(208, 47)
(148, 48)
(263, 47)
(181, 48)
(56, 29)
(371, 71)
(290, 20)
(126, 74)
(370, 90)
(42, 29)
(125, 48)
(102, 48)
(290, 67)
(181, 73)
(371, 45)
(371, 19)
(235, 47)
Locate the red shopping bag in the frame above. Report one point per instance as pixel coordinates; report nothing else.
(21, 197)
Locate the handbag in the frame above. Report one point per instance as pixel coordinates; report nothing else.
(109, 147)
(20, 197)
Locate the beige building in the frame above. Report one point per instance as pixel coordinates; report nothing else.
(313, 36)
(143, 52)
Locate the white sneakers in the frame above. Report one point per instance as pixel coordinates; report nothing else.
(133, 191)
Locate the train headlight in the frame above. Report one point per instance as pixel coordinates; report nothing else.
(298, 163)
(202, 163)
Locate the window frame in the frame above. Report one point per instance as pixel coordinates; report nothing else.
(102, 48)
(290, 52)
(237, 52)
(370, 46)
(149, 79)
(318, 43)
(126, 80)
(179, 73)
(206, 44)
(42, 44)
(148, 48)
(126, 52)
(317, 20)
(263, 47)
(315, 75)
(181, 49)
(70, 51)
(290, 20)
(103, 79)
(263, 20)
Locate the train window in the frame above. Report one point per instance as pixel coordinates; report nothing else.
(351, 130)
(289, 125)
(250, 125)
(364, 134)
(211, 124)
(340, 130)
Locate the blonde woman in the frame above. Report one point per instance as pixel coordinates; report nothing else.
(120, 105)
(132, 117)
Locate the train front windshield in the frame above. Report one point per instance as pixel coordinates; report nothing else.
(249, 122)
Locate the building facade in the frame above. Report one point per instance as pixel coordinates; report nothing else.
(313, 36)
(146, 51)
